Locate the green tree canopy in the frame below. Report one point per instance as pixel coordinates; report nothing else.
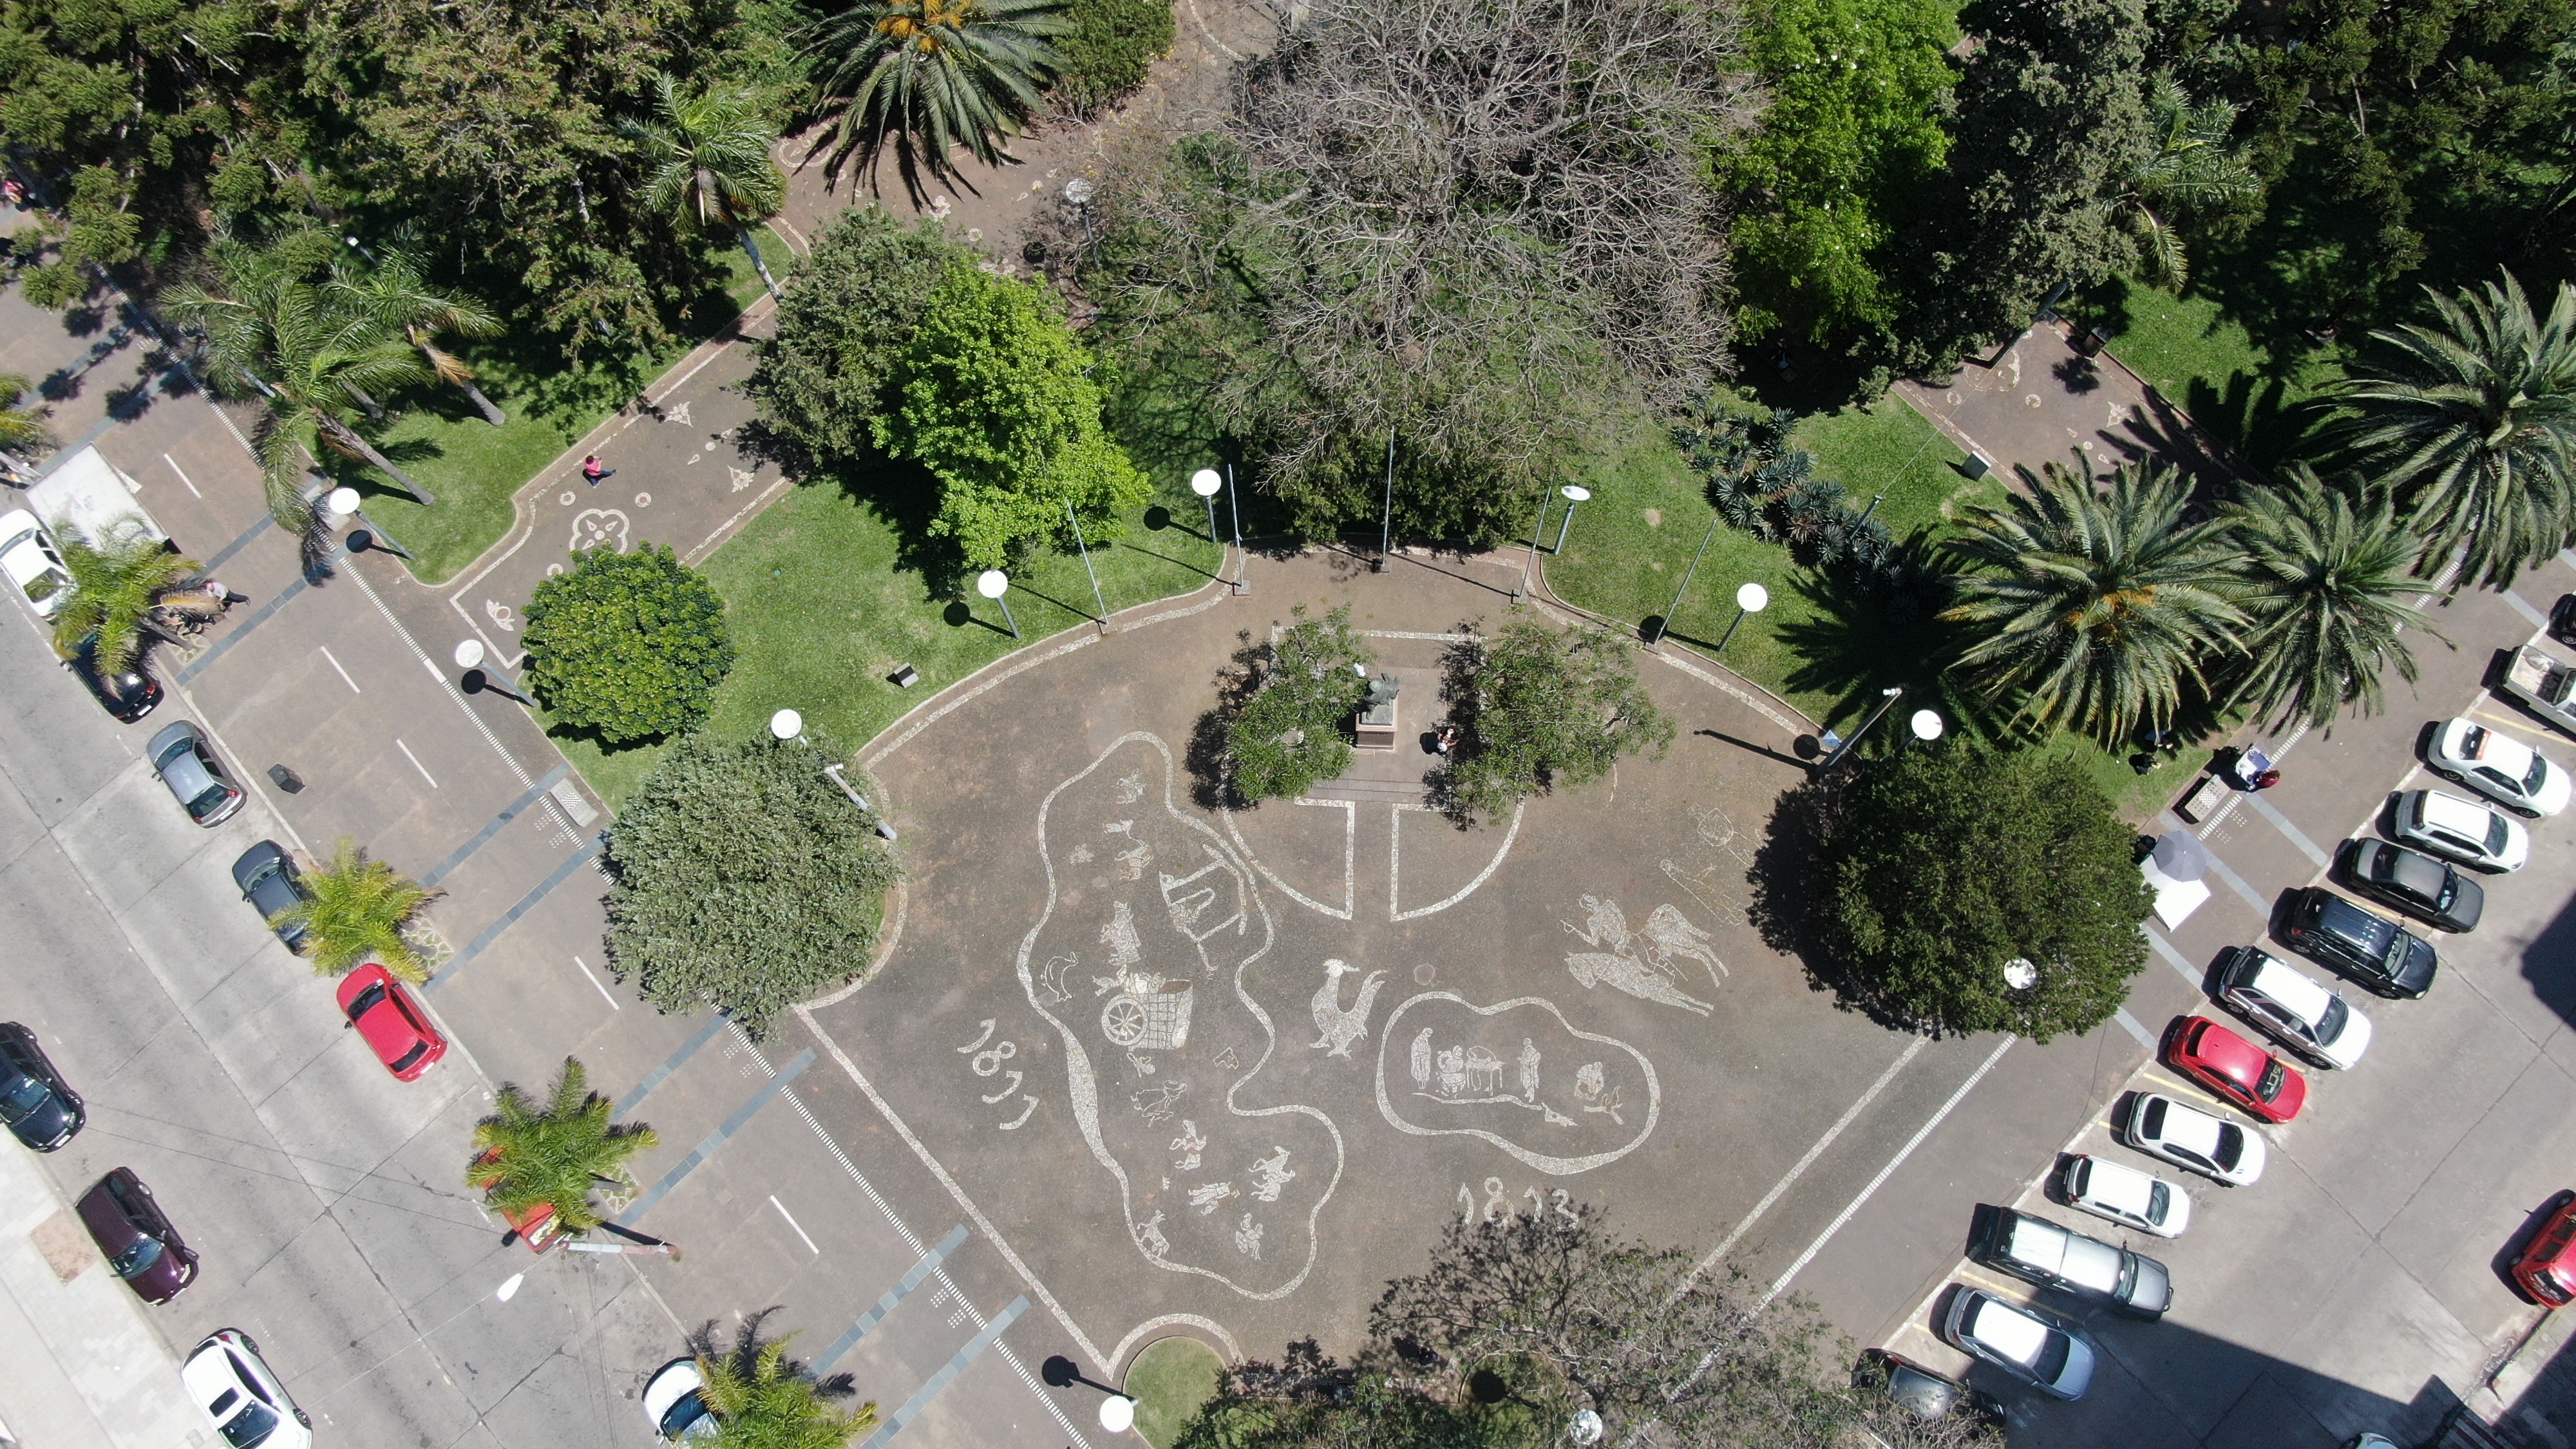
(744, 879)
(2330, 589)
(762, 1399)
(1108, 49)
(555, 1154)
(114, 586)
(357, 909)
(1944, 864)
(1287, 735)
(1540, 710)
(933, 75)
(631, 645)
(706, 163)
(851, 308)
(994, 396)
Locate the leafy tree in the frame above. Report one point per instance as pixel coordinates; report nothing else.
(2051, 113)
(2329, 589)
(1108, 49)
(1852, 140)
(114, 586)
(707, 163)
(631, 645)
(2193, 171)
(395, 291)
(1539, 710)
(2472, 423)
(1943, 865)
(555, 1154)
(994, 396)
(2094, 608)
(357, 910)
(933, 75)
(858, 299)
(743, 879)
(1287, 735)
(762, 1399)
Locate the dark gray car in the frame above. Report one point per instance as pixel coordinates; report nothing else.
(40, 1108)
(185, 760)
(2429, 890)
(2041, 1252)
(270, 882)
(2362, 944)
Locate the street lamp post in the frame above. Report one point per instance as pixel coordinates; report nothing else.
(1927, 725)
(1750, 599)
(787, 725)
(1078, 191)
(1531, 562)
(1887, 700)
(1574, 493)
(1102, 619)
(1117, 1411)
(1205, 483)
(1664, 625)
(1386, 519)
(993, 584)
(1875, 500)
(477, 680)
(1234, 510)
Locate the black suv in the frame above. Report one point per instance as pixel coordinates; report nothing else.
(2362, 944)
(40, 1108)
(2429, 890)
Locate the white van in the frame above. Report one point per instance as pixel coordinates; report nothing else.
(95, 498)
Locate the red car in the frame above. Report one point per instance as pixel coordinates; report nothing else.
(2546, 1270)
(2237, 1070)
(391, 1021)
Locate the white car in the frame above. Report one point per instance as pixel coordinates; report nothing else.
(234, 1388)
(2190, 1138)
(2023, 1342)
(2470, 834)
(2501, 768)
(2126, 1196)
(2293, 1009)
(674, 1405)
(34, 568)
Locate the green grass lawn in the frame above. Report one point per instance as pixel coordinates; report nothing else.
(2187, 348)
(1169, 1381)
(822, 610)
(474, 468)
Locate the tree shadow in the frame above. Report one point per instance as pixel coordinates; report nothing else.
(1237, 680)
(1790, 910)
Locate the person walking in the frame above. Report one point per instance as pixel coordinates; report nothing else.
(591, 469)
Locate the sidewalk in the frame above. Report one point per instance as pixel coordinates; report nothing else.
(85, 1366)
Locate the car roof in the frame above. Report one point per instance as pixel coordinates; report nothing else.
(668, 1384)
(21, 557)
(2498, 749)
(2291, 987)
(170, 734)
(2188, 1126)
(2412, 870)
(2225, 1050)
(187, 775)
(2008, 1330)
(208, 1371)
(2114, 1185)
(389, 1028)
(2453, 813)
(256, 859)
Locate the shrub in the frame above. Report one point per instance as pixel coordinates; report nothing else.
(631, 645)
(1106, 56)
(1538, 709)
(1288, 735)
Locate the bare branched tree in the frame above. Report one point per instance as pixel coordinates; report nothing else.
(1465, 226)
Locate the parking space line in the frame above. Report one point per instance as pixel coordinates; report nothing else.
(603, 990)
(415, 762)
(2523, 607)
(224, 554)
(241, 630)
(662, 1073)
(2130, 1025)
(1794, 1173)
(2234, 881)
(716, 1139)
(2523, 726)
(527, 903)
(174, 467)
(1781, 1284)
(902, 1289)
(791, 1222)
(493, 827)
(335, 664)
(947, 1375)
(2174, 958)
(2282, 823)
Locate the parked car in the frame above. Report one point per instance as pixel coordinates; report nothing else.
(2499, 767)
(2363, 944)
(2241, 1073)
(2472, 834)
(386, 1014)
(2039, 1251)
(2293, 1010)
(33, 565)
(128, 696)
(2432, 891)
(185, 761)
(136, 1237)
(2194, 1140)
(2023, 1342)
(2546, 1269)
(2543, 683)
(40, 1108)
(240, 1395)
(270, 882)
(2126, 1196)
(674, 1404)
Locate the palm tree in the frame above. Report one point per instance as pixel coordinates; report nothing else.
(2194, 166)
(709, 164)
(2329, 583)
(356, 909)
(2471, 423)
(20, 427)
(2094, 606)
(930, 75)
(114, 586)
(398, 294)
(763, 1399)
(553, 1156)
(313, 362)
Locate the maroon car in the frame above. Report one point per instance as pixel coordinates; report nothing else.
(136, 1238)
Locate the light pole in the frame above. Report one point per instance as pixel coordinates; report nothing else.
(475, 680)
(787, 725)
(1078, 191)
(992, 584)
(1574, 493)
(1531, 562)
(1750, 599)
(1117, 1411)
(1887, 701)
(1386, 520)
(1875, 500)
(1927, 725)
(1234, 510)
(1097, 601)
(1205, 484)
(1664, 625)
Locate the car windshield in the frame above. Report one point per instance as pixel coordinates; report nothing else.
(20, 1098)
(367, 1000)
(2159, 1197)
(2231, 1146)
(685, 1410)
(250, 1427)
(2269, 1086)
(2051, 1363)
(411, 1058)
(2497, 833)
(137, 1257)
(2153, 1121)
(2537, 776)
(2330, 1025)
(208, 801)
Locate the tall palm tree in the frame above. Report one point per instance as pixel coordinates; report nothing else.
(2330, 585)
(931, 75)
(2471, 423)
(357, 909)
(553, 1155)
(763, 1400)
(21, 428)
(396, 291)
(114, 586)
(2094, 606)
(2193, 166)
(313, 362)
(709, 165)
